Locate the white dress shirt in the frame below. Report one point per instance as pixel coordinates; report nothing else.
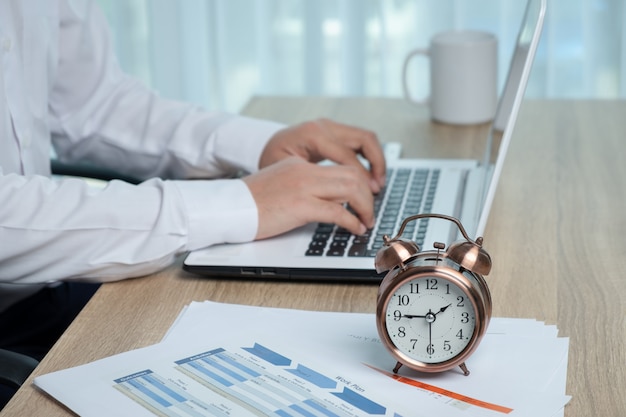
(61, 87)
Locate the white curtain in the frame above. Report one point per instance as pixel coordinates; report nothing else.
(218, 53)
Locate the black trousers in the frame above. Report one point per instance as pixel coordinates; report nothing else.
(34, 324)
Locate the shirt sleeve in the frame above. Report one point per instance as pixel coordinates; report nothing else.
(69, 230)
(66, 230)
(100, 115)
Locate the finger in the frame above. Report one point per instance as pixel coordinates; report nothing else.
(345, 153)
(369, 147)
(336, 213)
(294, 192)
(345, 156)
(342, 184)
(359, 141)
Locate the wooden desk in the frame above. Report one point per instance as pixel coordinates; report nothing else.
(557, 234)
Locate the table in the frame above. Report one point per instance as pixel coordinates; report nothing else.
(556, 234)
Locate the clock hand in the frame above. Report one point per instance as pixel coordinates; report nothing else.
(427, 316)
(429, 348)
(442, 309)
(430, 333)
(413, 316)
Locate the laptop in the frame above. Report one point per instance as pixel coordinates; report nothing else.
(461, 188)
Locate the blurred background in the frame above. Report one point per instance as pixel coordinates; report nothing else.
(219, 53)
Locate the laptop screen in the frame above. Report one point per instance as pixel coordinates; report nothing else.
(509, 103)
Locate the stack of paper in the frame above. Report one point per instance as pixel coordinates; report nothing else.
(231, 360)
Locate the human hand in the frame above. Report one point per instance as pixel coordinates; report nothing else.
(294, 192)
(323, 139)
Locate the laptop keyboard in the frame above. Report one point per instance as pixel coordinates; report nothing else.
(408, 192)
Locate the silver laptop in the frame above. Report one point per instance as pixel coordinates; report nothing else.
(461, 188)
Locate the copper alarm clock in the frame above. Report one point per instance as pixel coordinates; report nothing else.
(433, 307)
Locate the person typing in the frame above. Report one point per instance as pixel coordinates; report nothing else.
(62, 89)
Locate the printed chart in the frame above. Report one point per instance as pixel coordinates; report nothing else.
(297, 363)
(255, 379)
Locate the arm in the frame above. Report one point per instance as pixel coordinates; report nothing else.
(68, 230)
(101, 115)
(185, 142)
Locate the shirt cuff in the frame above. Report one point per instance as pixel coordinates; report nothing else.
(252, 136)
(218, 211)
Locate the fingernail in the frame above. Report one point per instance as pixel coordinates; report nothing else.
(362, 229)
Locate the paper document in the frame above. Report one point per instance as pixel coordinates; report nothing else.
(232, 360)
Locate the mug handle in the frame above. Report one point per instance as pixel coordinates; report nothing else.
(405, 67)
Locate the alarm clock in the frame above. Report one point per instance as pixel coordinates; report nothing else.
(434, 306)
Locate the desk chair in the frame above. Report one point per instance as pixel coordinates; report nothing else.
(14, 370)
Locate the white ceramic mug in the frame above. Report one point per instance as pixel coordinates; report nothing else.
(463, 76)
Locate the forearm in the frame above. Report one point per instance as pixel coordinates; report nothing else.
(101, 115)
(66, 230)
(132, 130)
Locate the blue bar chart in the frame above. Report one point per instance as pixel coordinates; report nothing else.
(255, 380)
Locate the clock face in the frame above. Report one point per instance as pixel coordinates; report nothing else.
(430, 319)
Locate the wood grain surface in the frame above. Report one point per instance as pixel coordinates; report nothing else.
(556, 234)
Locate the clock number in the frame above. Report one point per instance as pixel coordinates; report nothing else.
(460, 334)
(461, 301)
(401, 331)
(415, 288)
(430, 349)
(397, 315)
(431, 284)
(403, 300)
(464, 317)
(446, 345)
